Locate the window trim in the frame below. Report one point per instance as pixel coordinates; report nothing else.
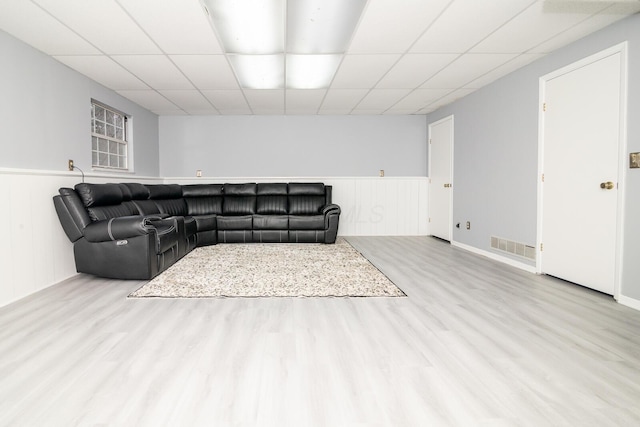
(125, 141)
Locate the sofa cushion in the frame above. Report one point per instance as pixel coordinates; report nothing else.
(307, 222)
(164, 191)
(306, 189)
(99, 194)
(206, 222)
(272, 204)
(239, 205)
(235, 222)
(202, 190)
(204, 205)
(270, 222)
(240, 189)
(138, 191)
(146, 207)
(272, 189)
(203, 199)
(104, 201)
(173, 207)
(306, 205)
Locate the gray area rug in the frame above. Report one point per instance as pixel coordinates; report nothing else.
(271, 270)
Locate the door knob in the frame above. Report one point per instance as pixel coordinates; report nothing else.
(607, 185)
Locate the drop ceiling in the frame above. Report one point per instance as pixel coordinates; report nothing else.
(405, 56)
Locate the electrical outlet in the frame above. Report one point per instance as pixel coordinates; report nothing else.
(381, 172)
(198, 173)
(468, 225)
(70, 164)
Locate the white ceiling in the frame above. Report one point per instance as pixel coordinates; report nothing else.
(406, 56)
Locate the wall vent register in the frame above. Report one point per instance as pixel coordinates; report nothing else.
(513, 248)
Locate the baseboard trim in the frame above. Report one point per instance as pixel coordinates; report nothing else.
(629, 302)
(496, 257)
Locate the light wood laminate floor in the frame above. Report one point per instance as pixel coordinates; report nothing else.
(475, 343)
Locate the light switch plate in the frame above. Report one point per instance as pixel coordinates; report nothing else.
(634, 160)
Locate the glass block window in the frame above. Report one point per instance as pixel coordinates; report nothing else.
(108, 137)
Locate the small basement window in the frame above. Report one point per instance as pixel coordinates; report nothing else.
(109, 146)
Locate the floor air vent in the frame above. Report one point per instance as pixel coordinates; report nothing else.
(514, 248)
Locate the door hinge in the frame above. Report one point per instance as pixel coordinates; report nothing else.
(429, 219)
(542, 177)
(429, 140)
(544, 106)
(541, 247)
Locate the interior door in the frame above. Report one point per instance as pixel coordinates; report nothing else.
(440, 177)
(580, 172)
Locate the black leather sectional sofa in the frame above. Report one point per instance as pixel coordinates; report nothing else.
(136, 231)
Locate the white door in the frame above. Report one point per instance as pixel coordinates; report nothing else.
(582, 122)
(440, 177)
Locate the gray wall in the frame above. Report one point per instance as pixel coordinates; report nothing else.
(496, 143)
(283, 146)
(45, 115)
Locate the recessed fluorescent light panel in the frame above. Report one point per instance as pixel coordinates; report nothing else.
(311, 71)
(317, 32)
(321, 26)
(249, 26)
(259, 71)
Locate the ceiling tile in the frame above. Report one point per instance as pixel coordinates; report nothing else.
(207, 71)
(155, 70)
(103, 70)
(367, 112)
(447, 99)
(170, 112)
(509, 67)
(393, 111)
(34, 26)
(227, 99)
(342, 99)
(266, 100)
(177, 26)
(187, 99)
(304, 101)
(362, 71)
(466, 69)
(466, 22)
(535, 25)
(381, 99)
(414, 69)
(203, 112)
(420, 98)
(387, 28)
(149, 99)
(103, 23)
(578, 31)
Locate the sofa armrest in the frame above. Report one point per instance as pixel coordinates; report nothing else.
(126, 227)
(331, 209)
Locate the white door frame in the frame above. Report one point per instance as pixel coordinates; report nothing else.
(622, 149)
(451, 163)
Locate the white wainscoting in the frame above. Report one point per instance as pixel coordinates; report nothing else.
(35, 253)
(371, 206)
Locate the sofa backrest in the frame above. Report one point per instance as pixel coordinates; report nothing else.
(168, 198)
(272, 199)
(239, 199)
(306, 198)
(103, 201)
(203, 199)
